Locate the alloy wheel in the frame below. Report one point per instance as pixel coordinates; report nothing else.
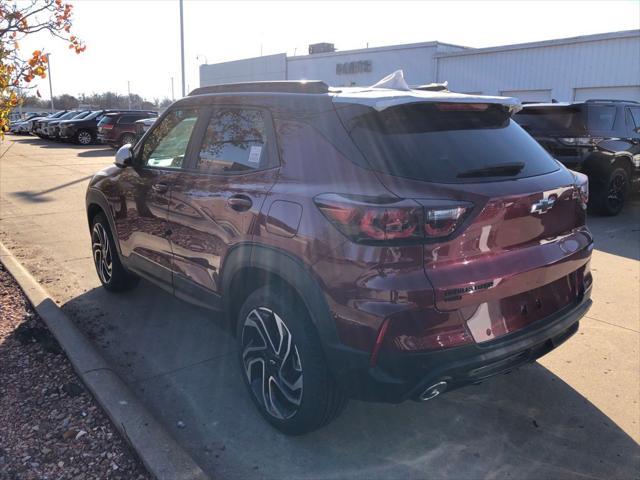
(102, 253)
(128, 139)
(616, 192)
(84, 138)
(272, 363)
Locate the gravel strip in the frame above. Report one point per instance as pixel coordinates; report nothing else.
(50, 426)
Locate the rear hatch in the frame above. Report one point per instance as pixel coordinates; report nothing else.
(507, 244)
(106, 125)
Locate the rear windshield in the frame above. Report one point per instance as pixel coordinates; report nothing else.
(552, 119)
(438, 143)
(574, 119)
(107, 120)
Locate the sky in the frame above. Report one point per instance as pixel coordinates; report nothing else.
(138, 41)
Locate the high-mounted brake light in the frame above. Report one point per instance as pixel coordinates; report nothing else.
(462, 107)
(375, 220)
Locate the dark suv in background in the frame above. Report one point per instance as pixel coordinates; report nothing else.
(51, 129)
(600, 138)
(117, 129)
(372, 243)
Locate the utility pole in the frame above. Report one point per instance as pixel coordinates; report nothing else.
(129, 92)
(173, 97)
(182, 48)
(50, 87)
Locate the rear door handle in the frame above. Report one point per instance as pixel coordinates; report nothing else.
(240, 203)
(160, 187)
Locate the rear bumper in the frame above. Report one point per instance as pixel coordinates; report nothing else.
(106, 139)
(401, 376)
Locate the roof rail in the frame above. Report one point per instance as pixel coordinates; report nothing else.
(279, 86)
(606, 100)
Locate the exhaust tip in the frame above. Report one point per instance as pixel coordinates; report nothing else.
(433, 391)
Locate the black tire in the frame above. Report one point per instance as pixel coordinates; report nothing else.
(84, 137)
(127, 138)
(318, 399)
(111, 273)
(610, 194)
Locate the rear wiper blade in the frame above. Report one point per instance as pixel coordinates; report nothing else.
(501, 170)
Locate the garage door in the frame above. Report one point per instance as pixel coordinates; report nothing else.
(607, 93)
(529, 95)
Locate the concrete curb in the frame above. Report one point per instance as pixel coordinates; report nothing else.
(159, 452)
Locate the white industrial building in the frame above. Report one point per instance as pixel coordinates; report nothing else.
(592, 66)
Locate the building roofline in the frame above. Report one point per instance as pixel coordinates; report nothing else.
(544, 43)
(228, 62)
(375, 49)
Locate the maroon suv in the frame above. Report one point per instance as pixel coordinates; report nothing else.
(372, 243)
(117, 129)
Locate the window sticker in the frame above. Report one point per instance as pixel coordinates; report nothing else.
(254, 155)
(161, 162)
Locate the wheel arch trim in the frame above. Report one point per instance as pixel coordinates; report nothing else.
(293, 271)
(97, 198)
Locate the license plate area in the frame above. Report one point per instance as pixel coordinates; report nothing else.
(496, 318)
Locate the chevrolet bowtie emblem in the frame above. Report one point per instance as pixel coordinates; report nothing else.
(543, 205)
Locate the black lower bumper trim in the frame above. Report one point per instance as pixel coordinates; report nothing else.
(402, 376)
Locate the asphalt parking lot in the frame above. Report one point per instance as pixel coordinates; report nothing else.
(574, 414)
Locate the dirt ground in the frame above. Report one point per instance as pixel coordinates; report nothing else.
(50, 426)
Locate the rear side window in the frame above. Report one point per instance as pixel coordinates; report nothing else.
(128, 119)
(601, 117)
(634, 113)
(235, 141)
(440, 143)
(167, 145)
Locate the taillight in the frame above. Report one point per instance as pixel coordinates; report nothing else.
(582, 188)
(373, 220)
(580, 141)
(441, 222)
(107, 126)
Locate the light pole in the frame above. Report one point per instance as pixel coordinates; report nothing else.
(50, 87)
(182, 48)
(173, 97)
(129, 92)
(198, 57)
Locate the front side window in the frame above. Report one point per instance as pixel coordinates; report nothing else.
(235, 141)
(167, 144)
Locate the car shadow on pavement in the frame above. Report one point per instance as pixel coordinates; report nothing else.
(84, 149)
(94, 153)
(183, 364)
(41, 196)
(619, 235)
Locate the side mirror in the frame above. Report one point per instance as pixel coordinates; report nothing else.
(124, 156)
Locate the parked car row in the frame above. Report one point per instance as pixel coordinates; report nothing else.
(112, 127)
